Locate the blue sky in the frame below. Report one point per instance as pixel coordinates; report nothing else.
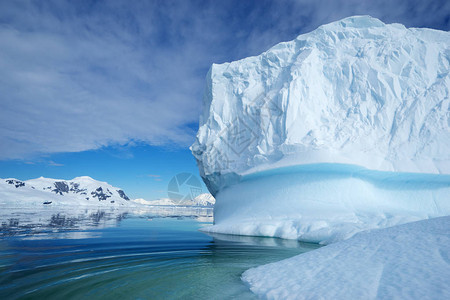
(113, 89)
(142, 170)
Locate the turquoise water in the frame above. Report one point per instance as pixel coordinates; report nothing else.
(127, 255)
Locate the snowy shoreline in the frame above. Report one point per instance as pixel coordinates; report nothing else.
(409, 261)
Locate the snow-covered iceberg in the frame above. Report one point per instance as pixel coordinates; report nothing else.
(343, 129)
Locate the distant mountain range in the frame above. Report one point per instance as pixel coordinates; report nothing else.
(46, 191)
(205, 199)
(80, 191)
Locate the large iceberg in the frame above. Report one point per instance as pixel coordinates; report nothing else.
(342, 129)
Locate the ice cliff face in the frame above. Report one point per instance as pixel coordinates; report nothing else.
(356, 91)
(343, 129)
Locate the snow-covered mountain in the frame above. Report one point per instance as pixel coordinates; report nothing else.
(205, 199)
(157, 202)
(343, 129)
(78, 191)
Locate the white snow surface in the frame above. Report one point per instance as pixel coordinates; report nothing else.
(80, 191)
(355, 91)
(410, 261)
(344, 129)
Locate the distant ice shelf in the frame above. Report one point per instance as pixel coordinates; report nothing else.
(202, 200)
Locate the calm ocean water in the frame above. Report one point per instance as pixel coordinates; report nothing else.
(138, 254)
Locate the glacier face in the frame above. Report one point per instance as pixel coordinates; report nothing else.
(343, 129)
(356, 91)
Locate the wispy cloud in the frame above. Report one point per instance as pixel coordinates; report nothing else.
(79, 75)
(155, 177)
(54, 164)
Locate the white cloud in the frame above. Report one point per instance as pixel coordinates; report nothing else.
(77, 75)
(54, 164)
(155, 177)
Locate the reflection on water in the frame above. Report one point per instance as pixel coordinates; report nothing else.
(260, 241)
(29, 222)
(136, 254)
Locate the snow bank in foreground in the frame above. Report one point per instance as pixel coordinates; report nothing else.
(325, 203)
(410, 261)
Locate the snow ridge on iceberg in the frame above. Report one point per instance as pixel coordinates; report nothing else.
(343, 129)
